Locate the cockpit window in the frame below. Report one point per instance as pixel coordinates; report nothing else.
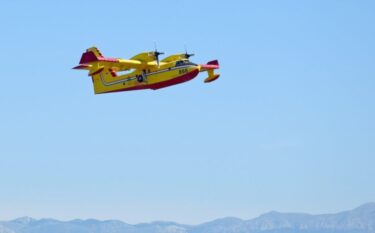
(184, 62)
(179, 63)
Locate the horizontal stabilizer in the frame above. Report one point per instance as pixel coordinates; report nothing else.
(82, 67)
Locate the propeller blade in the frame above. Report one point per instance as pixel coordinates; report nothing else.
(157, 54)
(188, 55)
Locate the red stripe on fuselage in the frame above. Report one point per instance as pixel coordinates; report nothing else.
(155, 86)
(174, 81)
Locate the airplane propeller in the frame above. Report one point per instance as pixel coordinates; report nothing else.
(157, 54)
(188, 55)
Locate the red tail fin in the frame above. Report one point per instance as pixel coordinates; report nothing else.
(93, 55)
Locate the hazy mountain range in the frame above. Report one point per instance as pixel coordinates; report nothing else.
(358, 220)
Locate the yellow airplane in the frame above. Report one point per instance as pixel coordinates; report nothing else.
(143, 71)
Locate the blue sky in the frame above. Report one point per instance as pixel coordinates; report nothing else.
(289, 126)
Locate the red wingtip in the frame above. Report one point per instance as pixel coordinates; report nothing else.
(214, 62)
(212, 78)
(211, 65)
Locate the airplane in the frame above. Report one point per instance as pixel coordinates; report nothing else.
(143, 71)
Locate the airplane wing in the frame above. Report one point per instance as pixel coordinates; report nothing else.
(174, 57)
(145, 57)
(212, 65)
(94, 61)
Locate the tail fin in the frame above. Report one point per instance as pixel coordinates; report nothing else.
(97, 65)
(96, 51)
(91, 55)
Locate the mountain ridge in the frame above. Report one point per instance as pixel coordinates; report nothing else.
(357, 220)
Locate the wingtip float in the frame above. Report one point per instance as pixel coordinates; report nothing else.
(143, 71)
